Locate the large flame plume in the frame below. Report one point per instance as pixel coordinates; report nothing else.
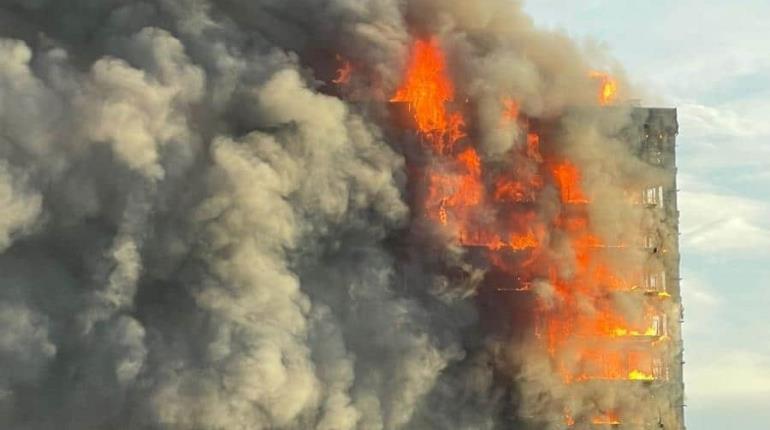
(583, 332)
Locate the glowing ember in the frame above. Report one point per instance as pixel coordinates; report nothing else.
(609, 418)
(638, 375)
(624, 332)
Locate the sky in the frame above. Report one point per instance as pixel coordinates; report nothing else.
(711, 60)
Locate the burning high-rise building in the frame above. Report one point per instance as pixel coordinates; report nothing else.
(329, 215)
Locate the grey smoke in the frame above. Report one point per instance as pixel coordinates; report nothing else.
(196, 231)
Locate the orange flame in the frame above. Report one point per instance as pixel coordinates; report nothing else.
(567, 177)
(608, 88)
(510, 110)
(603, 357)
(456, 188)
(344, 72)
(533, 147)
(524, 241)
(608, 418)
(638, 375)
(511, 190)
(492, 208)
(427, 89)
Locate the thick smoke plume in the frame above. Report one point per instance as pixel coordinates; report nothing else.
(201, 230)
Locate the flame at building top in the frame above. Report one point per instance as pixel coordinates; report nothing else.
(427, 89)
(608, 88)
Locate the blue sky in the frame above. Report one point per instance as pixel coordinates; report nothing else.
(710, 59)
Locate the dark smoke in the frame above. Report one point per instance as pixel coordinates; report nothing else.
(198, 232)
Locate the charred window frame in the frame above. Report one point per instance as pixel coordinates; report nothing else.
(653, 196)
(653, 145)
(655, 282)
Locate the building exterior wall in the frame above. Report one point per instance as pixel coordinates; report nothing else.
(654, 140)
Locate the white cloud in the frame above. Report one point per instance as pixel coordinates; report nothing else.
(729, 139)
(702, 121)
(703, 306)
(697, 292)
(729, 375)
(728, 234)
(719, 223)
